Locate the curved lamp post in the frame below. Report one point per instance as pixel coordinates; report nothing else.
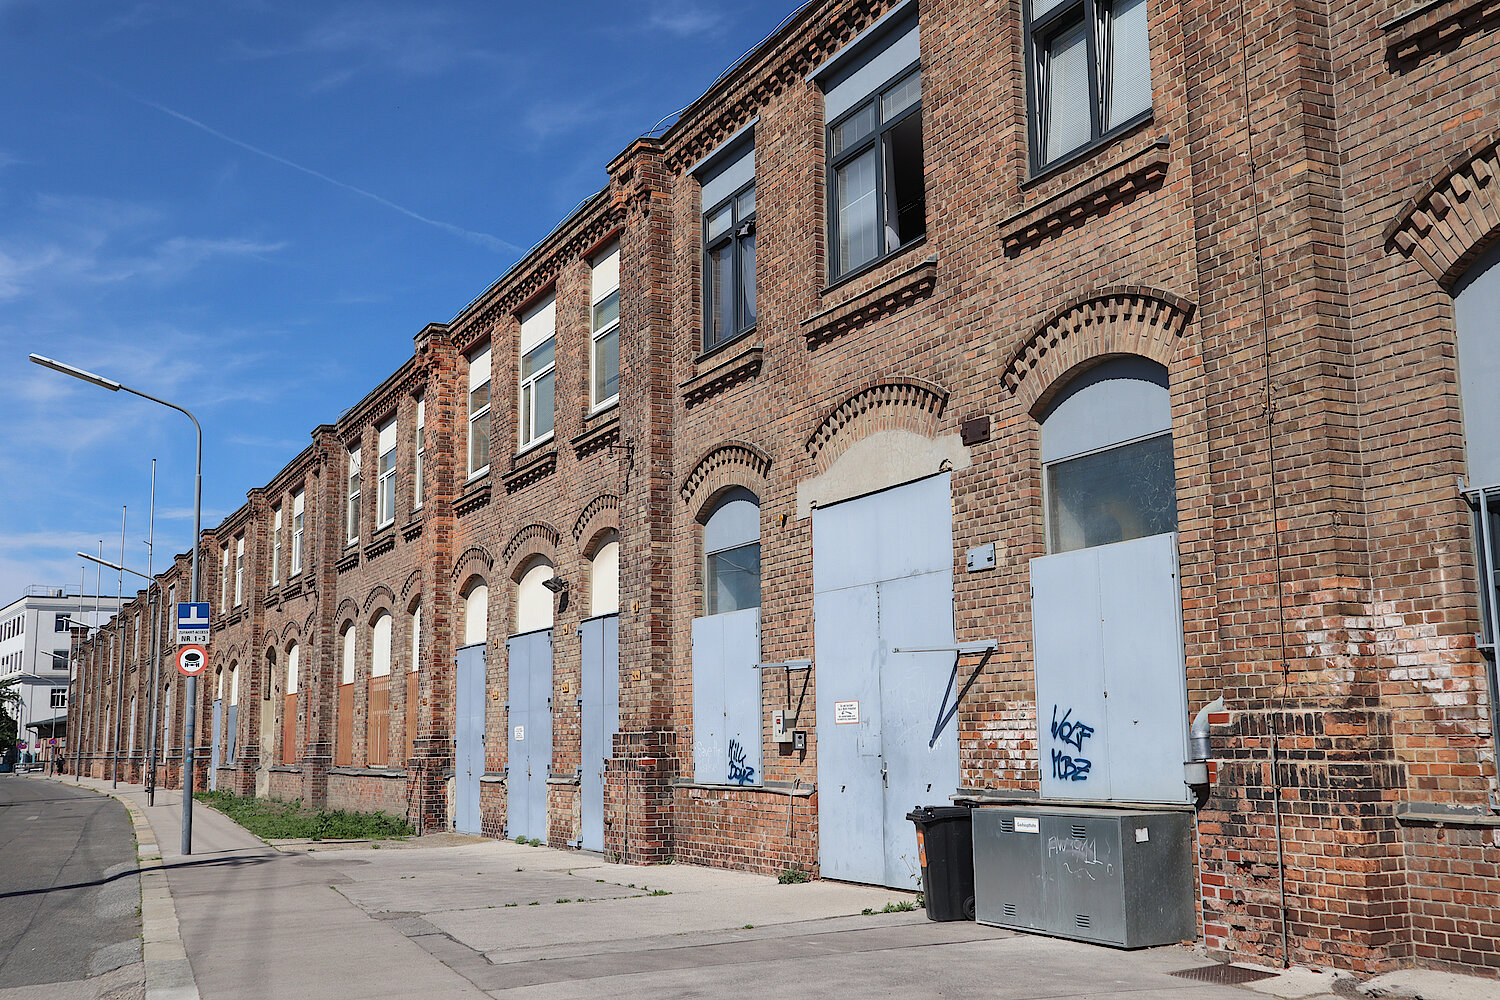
(191, 694)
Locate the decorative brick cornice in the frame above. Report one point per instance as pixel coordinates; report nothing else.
(731, 369)
(347, 561)
(1435, 26)
(530, 469)
(1127, 319)
(604, 432)
(384, 541)
(537, 529)
(1453, 220)
(899, 290)
(473, 498)
(730, 453)
(887, 404)
(1092, 196)
(411, 529)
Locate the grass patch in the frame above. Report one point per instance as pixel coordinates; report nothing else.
(793, 876)
(905, 906)
(273, 820)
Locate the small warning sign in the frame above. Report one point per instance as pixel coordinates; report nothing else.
(846, 713)
(520, 734)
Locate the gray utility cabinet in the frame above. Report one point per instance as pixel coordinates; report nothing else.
(1109, 876)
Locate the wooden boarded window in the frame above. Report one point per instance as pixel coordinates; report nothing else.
(379, 730)
(344, 712)
(289, 711)
(412, 684)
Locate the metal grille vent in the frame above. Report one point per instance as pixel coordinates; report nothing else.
(1010, 909)
(1008, 825)
(1080, 832)
(1083, 920)
(1226, 975)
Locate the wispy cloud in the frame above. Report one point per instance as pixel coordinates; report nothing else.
(414, 41)
(481, 239)
(687, 18)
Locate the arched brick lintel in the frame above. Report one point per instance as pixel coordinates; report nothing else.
(382, 598)
(347, 614)
(602, 512)
(730, 463)
(900, 403)
(537, 538)
(476, 561)
(1455, 218)
(1128, 319)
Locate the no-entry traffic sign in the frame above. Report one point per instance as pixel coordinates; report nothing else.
(191, 660)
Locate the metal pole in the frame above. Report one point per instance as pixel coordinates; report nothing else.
(114, 749)
(98, 593)
(75, 711)
(154, 610)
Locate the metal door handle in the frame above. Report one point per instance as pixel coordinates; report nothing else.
(883, 780)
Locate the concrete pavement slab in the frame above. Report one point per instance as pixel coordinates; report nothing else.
(1429, 984)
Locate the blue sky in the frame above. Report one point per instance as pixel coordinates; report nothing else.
(250, 207)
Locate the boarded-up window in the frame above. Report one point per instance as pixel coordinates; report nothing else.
(289, 710)
(379, 730)
(343, 746)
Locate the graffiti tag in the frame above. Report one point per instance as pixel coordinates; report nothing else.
(1067, 766)
(740, 773)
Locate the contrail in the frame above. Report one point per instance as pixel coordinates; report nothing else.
(483, 239)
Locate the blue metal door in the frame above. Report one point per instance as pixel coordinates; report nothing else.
(599, 705)
(1111, 683)
(213, 757)
(231, 731)
(727, 698)
(883, 614)
(468, 731)
(529, 737)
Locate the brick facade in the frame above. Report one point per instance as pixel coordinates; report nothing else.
(1282, 234)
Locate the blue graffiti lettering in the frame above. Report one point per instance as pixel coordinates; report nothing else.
(740, 773)
(1071, 733)
(1066, 768)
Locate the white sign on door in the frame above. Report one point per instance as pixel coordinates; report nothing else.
(846, 713)
(520, 734)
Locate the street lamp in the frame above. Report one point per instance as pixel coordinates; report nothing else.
(191, 695)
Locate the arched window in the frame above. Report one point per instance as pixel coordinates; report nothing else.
(533, 599)
(476, 614)
(1107, 457)
(231, 712)
(731, 551)
(1476, 307)
(289, 709)
(378, 732)
(604, 577)
(413, 682)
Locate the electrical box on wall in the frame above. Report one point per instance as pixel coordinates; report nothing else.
(782, 722)
(799, 740)
(981, 557)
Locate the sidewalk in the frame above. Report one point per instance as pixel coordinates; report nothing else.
(446, 917)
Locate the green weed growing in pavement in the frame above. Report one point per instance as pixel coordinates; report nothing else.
(660, 892)
(535, 902)
(273, 820)
(793, 876)
(509, 905)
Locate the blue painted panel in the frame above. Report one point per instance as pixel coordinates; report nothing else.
(896, 533)
(213, 756)
(1145, 675)
(231, 732)
(600, 711)
(1110, 675)
(1120, 400)
(883, 579)
(1068, 649)
(1476, 308)
(529, 738)
(918, 725)
(851, 813)
(468, 761)
(726, 698)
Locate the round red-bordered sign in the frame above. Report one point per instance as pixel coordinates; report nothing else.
(191, 660)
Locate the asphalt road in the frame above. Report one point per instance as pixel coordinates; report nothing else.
(69, 893)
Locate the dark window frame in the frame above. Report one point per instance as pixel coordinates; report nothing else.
(739, 230)
(876, 139)
(1037, 33)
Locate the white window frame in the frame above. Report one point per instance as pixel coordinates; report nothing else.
(538, 329)
(351, 506)
(276, 548)
(59, 702)
(299, 511)
(385, 487)
(239, 571)
(419, 454)
(604, 282)
(224, 579)
(479, 416)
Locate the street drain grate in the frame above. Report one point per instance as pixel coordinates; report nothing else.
(1223, 975)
